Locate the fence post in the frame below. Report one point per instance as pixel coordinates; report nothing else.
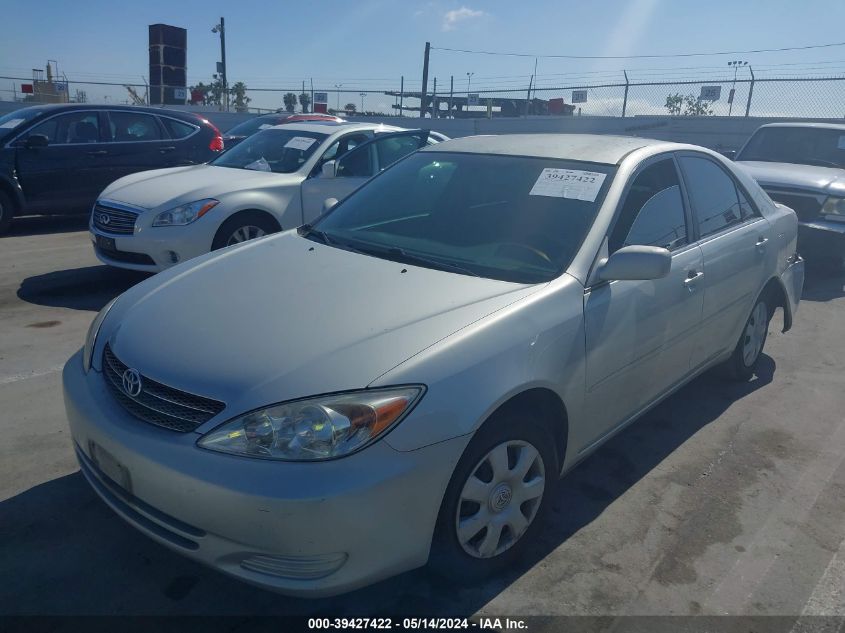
(451, 93)
(625, 98)
(401, 94)
(528, 96)
(750, 92)
(424, 90)
(434, 100)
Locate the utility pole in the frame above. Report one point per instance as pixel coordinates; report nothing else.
(362, 95)
(469, 82)
(337, 88)
(736, 65)
(424, 92)
(401, 94)
(451, 93)
(221, 29)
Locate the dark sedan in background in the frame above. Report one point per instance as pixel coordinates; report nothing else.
(56, 159)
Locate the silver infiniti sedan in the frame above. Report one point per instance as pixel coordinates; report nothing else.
(405, 380)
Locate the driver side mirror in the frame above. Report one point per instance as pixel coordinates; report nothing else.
(636, 263)
(34, 141)
(329, 169)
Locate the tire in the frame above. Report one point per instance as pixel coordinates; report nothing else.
(743, 362)
(468, 554)
(244, 225)
(7, 212)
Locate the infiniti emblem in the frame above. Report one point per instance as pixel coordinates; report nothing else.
(132, 382)
(104, 219)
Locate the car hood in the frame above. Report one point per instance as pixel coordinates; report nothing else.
(810, 177)
(178, 185)
(284, 317)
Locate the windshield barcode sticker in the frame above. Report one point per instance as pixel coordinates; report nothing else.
(300, 142)
(568, 183)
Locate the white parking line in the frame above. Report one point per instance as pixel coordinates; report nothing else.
(828, 598)
(5, 380)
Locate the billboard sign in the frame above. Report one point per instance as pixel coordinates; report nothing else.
(710, 93)
(321, 97)
(472, 99)
(579, 96)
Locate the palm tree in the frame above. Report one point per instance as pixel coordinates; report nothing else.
(290, 101)
(350, 108)
(305, 101)
(239, 98)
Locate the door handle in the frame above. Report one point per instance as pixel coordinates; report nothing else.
(97, 152)
(692, 277)
(761, 243)
(164, 150)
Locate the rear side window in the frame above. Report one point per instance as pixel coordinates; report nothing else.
(177, 129)
(715, 198)
(128, 127)
(653, 211)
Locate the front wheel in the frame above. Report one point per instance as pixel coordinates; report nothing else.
(741, 365)
(242, 228)
(496, 498)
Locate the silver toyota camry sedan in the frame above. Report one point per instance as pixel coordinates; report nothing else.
(405, 380)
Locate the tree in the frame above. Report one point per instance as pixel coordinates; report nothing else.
(688, 105)
(238, 97)
(304, 101)
(290, 101)
(350, 108)
(204, 90)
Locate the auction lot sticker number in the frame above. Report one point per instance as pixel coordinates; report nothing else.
(568, 183)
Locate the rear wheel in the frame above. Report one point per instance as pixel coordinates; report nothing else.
(7, 211)
(749, 348)
(496, 499)
(243, 227)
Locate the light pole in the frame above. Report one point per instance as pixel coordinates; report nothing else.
(221, 29)
(362, 95)
(469, 82)
(736, 65)
(337, 88)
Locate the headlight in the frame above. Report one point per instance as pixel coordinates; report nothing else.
(91, 337)
(834, 206)
(186, 213)
(316, 428)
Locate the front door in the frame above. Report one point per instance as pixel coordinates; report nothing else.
(357, 166)
(640, 334)
(138, 142)
(68, 174)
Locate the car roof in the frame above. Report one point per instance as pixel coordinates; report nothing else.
(593, 148)
(70, 107)
(824, 126)
(330, 127)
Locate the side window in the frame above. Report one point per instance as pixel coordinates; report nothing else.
(128, 127)
(747, 210)
(653, 211)
(391, 149)
(713, 195)
(343, 145)
(177, 129)
(357, 163)
(74, 127)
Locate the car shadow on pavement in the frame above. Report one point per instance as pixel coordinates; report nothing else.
(43, 224)
(70, 554)
(823, 284)
(88, 288)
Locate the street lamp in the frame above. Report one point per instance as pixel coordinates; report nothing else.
(362, 95)
(337, 88)
(221, 29)
(469, 80)
(736, 65)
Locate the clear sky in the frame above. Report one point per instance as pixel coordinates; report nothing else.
(369, 44)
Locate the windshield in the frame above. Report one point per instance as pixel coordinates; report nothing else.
(502, 217)
(279, 151)
(799, 145)
(12, 121)
(253, 125)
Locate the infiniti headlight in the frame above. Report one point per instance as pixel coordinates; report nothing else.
(186, 213)
(91, 337)
(834, 206)
(316, 428)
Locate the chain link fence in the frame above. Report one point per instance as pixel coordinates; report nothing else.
(810, 97)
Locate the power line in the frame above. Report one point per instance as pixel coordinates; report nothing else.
(759, 50)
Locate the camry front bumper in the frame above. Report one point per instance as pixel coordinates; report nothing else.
(310, 529)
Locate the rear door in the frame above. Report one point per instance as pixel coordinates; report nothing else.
(138, 141)
(357, 166)
(734, 238)
(68, 174)
(640, 334)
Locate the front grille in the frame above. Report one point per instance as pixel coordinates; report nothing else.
(157, 403)
(807, 206)
(125, 256)
(111, 219)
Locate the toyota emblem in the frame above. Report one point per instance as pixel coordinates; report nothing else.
(132, 382)
(104, 218)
